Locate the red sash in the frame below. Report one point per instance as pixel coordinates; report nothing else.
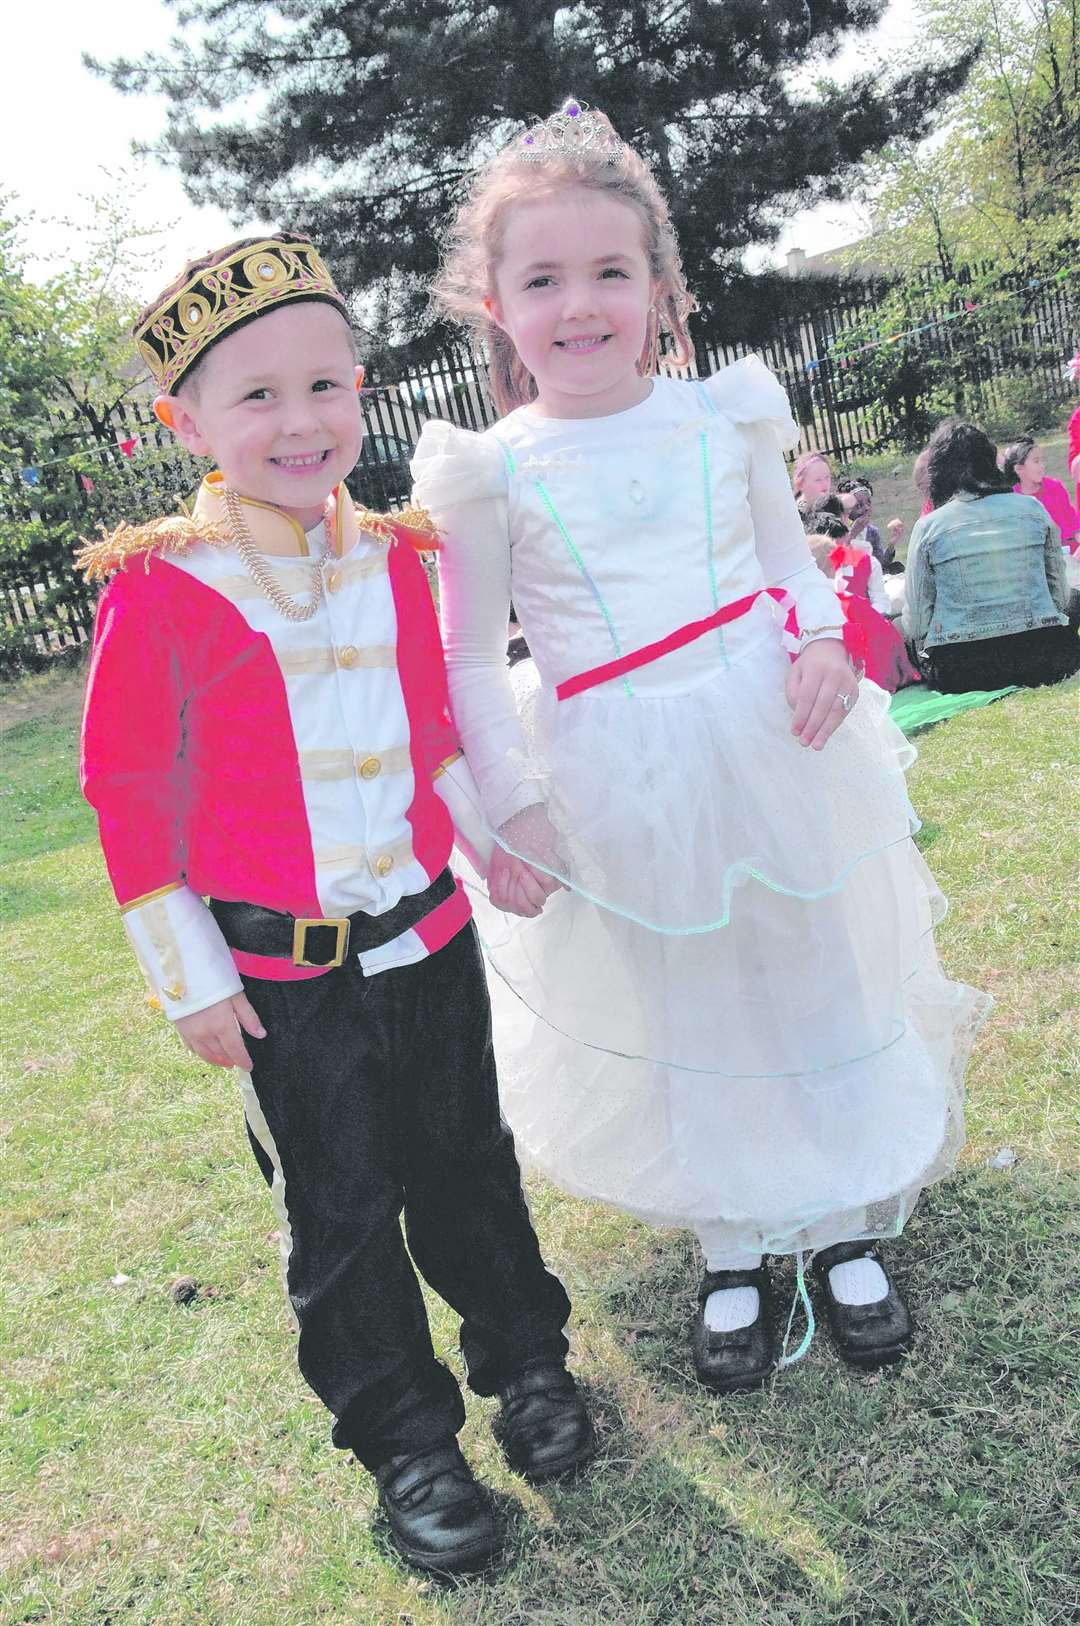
(674, 640)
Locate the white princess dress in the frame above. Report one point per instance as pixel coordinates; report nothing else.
(733, 1018)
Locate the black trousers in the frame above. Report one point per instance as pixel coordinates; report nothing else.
(377, 1096)
(1043, 655)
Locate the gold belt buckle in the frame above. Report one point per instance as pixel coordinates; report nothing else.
(299, 943)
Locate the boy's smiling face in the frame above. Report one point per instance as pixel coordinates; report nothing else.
(275, 405)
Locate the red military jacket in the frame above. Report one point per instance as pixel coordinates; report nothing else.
(233, 753)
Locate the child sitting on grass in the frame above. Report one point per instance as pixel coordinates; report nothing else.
(1024, 467)
(869, 638)
(857, 496)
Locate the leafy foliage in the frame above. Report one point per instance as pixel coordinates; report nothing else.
(1003, 181)
(360, 121)
(66, 341)
(973, 343)
(67, 375)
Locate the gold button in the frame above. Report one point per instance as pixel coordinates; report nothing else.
(383, 865)
(348, 657)
(175, 992)
(333, 581)
(370, 768)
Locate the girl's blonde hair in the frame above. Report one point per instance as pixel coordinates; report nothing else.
(473, 244)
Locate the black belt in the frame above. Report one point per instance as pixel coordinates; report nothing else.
(323, 941)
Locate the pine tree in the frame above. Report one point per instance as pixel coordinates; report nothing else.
(360, 121)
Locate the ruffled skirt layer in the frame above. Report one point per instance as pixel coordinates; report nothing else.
(733, 1018)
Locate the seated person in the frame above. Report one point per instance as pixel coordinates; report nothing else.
(825, 516)
(1024, 468)
(857, 496)
(812, 476)
(869, 638)
(986, 589)
(823, 513)
(516, 647)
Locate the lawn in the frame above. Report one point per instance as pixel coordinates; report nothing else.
(162, 1462)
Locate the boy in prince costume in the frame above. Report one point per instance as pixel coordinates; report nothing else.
(266, 728)
(730, 1014)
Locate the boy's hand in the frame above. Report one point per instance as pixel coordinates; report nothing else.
(214, 1034)
(514, 885)
(819, 676)
(517, 888)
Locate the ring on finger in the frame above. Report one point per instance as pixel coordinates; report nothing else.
(845, 700)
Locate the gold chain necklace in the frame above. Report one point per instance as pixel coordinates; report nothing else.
(264, 578)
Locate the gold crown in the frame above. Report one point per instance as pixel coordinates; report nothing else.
(254, 279)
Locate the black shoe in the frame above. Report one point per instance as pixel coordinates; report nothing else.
(542, 1425)
(867, 1335)
(726, 1361)
(440, 1518)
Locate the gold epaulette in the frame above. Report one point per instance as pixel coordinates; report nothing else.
(411, 524)
(173, 533)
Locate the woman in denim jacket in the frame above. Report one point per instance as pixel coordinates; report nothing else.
(986, 594)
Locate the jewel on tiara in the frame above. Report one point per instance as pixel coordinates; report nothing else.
(575, 128)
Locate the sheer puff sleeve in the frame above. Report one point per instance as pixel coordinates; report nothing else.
(461, 480)
(751, 398)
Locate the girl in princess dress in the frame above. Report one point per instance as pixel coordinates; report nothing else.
(730, 1014)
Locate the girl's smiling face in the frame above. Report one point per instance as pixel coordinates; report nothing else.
(572, 292)
(1032, 471)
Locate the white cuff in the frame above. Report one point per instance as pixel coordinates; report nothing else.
(457, 789)
(183, 956)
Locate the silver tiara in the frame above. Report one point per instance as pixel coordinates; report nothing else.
(574, 129)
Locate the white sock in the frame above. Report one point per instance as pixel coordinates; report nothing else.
(730, 1308)
(859, 1281)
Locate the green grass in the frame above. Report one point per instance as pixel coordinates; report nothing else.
(166, 1464)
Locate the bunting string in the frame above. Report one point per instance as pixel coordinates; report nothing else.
(845, 354)
(31, 474)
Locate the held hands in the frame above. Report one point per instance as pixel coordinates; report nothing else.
(815, 686)
(214, 1034)
(513, 885)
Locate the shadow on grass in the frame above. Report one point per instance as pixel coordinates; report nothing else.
(940, 1484)
(665, 1527)
(981, 1251)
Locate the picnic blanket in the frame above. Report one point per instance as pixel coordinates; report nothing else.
(920, 707)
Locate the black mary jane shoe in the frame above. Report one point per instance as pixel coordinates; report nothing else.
(866, 1335)
(441, 1519)
(542, 1424)
(742, 1359)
